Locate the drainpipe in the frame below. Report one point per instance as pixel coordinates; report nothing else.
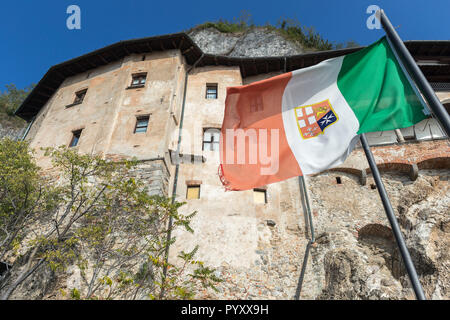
(28, 129)
(177, 169)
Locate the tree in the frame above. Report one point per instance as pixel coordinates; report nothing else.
(20, 194)
(12, 98)
(100, 218)
(352, 44)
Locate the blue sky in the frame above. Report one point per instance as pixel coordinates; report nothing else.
(34, 35)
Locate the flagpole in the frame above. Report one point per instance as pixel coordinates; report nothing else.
(307, 209)
(416, 74)
(412, 273)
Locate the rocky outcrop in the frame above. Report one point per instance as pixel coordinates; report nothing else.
(366, 264)
(255, 42)
(12, 132)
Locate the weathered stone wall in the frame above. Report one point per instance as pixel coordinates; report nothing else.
(109, 110)
(355, 256)
(155, 175)
(12, 132)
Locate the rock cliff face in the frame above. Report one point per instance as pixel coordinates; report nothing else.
(255, 42)
(360, 259)
(12, 132)
(354, 256)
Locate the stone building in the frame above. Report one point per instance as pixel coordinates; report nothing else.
(132, 98)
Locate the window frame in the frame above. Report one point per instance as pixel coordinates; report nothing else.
(216, 87)
(263, 190)
(140, 84)
(75, 134)
(77, 99)
(192, 186)
(212, 142)
(137, 126)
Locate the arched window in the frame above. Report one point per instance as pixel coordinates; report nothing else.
(211, 138)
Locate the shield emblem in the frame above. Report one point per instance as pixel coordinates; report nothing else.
(313, 119)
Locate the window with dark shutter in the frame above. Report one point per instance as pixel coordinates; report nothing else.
(141, 124)
(138, 80)
(211, 91)
(75, 138)
(79, 97)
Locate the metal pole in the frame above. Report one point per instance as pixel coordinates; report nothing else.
(307, 208)
(393, 221)
(175, 180)
(416, 74)
(28, 129)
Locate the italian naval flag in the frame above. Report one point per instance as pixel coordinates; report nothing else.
(308, 120)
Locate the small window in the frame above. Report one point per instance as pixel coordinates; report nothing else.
(211, 91)
(138, 80)
(259, 196)
(193, 192)
(211, 139)
(141, 124)
(79, 96)
(75, 138)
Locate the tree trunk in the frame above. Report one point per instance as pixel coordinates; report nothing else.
(23, 276)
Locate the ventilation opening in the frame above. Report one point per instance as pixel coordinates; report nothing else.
(4, 267)
(338, 180)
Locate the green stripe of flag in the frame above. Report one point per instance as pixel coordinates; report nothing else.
(375, 87)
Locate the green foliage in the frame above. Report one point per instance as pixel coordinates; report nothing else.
(241, 24)
(21, 194)
(75, 294)
(101, 219)
(349, 44)
(10, 100)
(306, 37)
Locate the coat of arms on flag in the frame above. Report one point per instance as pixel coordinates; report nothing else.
(313, 119)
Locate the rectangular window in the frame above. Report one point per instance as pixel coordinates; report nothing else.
(211, 91)
(79, 96)
(75, 138)
(211, 139)
(138, 80)
(193, 192)
(259, 196)
(141, 124)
